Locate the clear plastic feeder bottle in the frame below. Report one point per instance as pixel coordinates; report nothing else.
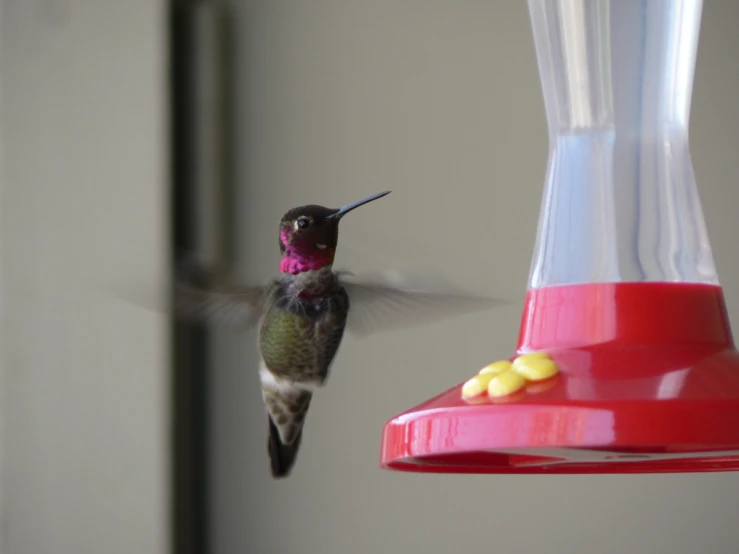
(625, 360)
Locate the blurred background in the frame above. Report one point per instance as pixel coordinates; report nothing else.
(133, 129)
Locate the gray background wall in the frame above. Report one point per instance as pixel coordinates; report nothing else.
(84, 181)
(438, 101)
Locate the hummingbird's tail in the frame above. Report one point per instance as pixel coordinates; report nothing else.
(287, 404)
(281, 456)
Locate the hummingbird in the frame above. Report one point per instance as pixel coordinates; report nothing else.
(301, 317)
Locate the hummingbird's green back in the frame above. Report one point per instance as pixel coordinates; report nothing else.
(299, 338)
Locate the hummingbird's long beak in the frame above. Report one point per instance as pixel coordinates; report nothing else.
(349, 207)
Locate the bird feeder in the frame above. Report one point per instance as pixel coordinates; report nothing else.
(625, 361)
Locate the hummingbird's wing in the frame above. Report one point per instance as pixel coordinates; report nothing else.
(237, 306)
(207, 294)
(200, 292)
(385, 304)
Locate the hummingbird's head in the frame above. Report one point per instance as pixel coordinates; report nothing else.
(309, 234)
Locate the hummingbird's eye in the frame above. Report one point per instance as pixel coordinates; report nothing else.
(303, 223)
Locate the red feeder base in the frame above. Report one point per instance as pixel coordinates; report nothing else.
(648, 382)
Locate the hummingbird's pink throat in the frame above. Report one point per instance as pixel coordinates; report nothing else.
(303, 253)
(294, 262)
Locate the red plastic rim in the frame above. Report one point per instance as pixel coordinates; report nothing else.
(648, 382)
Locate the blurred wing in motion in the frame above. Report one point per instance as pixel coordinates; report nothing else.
(386, 304)
(206, 294)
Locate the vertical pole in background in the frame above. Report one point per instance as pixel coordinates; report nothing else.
(200, 167)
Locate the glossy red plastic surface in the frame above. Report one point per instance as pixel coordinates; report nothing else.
(648, 382)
